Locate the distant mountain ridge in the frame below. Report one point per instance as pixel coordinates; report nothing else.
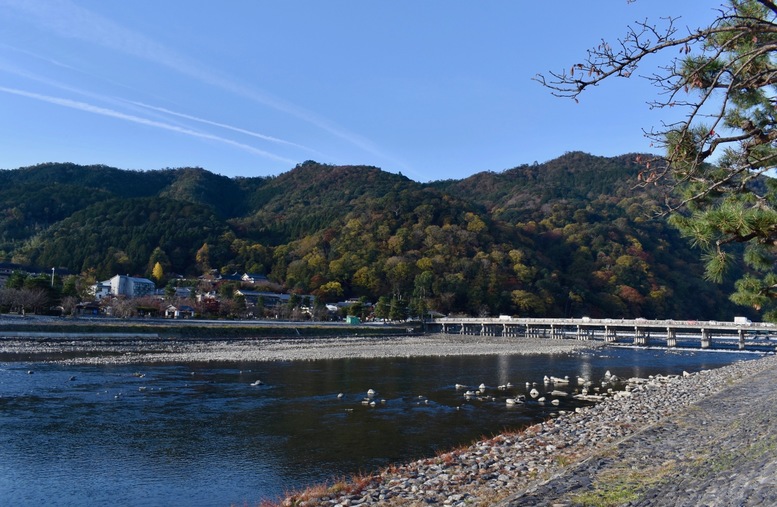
(567, 236)
(574, 175)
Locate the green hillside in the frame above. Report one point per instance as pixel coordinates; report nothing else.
(568, 237)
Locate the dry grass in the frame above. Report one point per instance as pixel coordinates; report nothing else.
(620, 486)
(350, 486)
(448, 458)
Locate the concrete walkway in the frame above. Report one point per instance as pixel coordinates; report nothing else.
(721, 451)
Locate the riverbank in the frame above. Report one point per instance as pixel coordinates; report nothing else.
(192, 329)
(96, 349)
(695, 439)
(719, 451)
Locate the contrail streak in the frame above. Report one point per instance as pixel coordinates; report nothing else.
(221, 125)
(73, 21)
(90, 108)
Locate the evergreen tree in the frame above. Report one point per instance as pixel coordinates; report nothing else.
(417, 307)
(294, 301)
(725, 77)
(16, 280)
(70, 287)
(397, 309)
(382, 308)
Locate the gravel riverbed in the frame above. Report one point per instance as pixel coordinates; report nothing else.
(104, 350)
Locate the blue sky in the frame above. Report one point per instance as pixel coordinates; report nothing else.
(432, 89)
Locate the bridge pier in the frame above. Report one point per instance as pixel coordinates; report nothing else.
(583, 333)
(534, 332)
(641, 336)
(671, 337)
(491, 330)
(706, 338)
(610, 334)
(741, 334)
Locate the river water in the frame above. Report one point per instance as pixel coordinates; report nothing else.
(203, 435)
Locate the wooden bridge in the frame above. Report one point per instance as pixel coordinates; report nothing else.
(669, 333)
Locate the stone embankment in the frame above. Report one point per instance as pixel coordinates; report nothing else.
(707, 438)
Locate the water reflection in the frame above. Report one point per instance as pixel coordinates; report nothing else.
(202, 434)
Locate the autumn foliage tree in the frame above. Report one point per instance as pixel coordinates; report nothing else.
(158, 272)
(717, 158)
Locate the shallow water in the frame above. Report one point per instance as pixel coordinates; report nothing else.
(202, 435)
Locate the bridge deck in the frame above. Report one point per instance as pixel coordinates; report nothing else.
(758, 336)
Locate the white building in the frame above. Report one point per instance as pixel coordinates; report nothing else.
(101, 289)
(121, 285)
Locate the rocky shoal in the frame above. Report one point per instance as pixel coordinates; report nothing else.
(492, 471)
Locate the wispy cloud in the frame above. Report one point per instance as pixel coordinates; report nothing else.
(12, 69)
(91, 108)
(73, 21)
(36, 56)
(16, 70)
(221, 125)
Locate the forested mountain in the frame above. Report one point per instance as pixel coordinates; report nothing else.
(568, 237)
(525, 191)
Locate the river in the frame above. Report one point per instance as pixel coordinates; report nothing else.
(202, 434)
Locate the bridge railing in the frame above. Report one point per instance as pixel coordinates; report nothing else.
(585, 321)
(638, 331)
